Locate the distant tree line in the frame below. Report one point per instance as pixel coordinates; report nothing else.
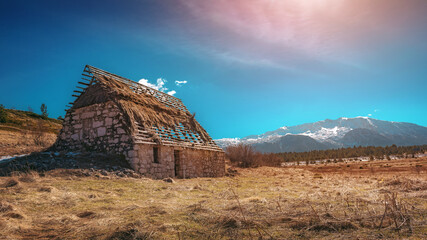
(246, 156)
(353, 152)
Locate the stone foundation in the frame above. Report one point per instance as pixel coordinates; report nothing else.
(177, 162)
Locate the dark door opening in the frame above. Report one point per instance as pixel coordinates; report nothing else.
(177, 162)
(156, 155)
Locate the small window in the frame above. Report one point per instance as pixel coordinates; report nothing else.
(156, 153)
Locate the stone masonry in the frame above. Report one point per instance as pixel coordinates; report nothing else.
(98, 127)
(151, 130)
(177, 162)
(101, 128)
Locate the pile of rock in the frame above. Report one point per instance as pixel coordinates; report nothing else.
(85, 164)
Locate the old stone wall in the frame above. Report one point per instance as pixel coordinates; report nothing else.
(98, 127)
(101, 128)
(190, 163)
(141, 159)
(201, 163)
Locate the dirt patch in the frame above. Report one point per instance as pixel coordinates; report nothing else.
(130, 234)
(412, 165)
(169, 180)
(405, 184)
(27, 178)
(14, 215)
(6, 207)
(45, 189)
(315, 225)
(231, 172)
(11, 182)
(333, 226)
(229, 222)
(86, 214)
(2, 224)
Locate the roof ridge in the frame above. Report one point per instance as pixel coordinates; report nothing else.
(164, 98)
(103, 72)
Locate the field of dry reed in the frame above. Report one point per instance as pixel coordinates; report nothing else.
(360, 200)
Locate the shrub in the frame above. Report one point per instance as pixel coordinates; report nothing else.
(246, 156)
(40, 137)
(241, 155)
(271, 159)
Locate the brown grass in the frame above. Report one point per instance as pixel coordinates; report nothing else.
(24, 142)
(260, 203)
(26, 132)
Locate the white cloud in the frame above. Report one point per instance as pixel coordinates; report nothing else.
(180, 83)
(160, 85)
(369, 115)
(146, 83)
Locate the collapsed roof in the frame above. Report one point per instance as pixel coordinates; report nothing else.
(153, 117)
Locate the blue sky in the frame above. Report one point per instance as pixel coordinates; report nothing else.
(250, 65)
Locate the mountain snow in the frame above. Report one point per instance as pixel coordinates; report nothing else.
(331, 132)
(327, 133)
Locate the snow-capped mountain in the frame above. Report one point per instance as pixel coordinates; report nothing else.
(327, 134)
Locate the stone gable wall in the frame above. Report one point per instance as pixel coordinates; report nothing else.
(98, 127)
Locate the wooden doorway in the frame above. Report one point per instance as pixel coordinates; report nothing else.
(177, 159)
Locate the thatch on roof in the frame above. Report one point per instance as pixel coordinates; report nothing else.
(139, 108)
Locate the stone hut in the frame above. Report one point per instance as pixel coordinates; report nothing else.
(152, 130)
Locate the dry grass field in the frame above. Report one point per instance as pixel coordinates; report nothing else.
(26, 132)
(23, 142)
(366, 200)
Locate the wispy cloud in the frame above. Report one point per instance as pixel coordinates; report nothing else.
(295, 34)
(375, 111)
(180, 83)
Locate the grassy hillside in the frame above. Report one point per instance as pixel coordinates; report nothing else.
(25, 120)
(361, 200)
(24, 132)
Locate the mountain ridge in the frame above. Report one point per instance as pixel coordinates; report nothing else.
(342, 132)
